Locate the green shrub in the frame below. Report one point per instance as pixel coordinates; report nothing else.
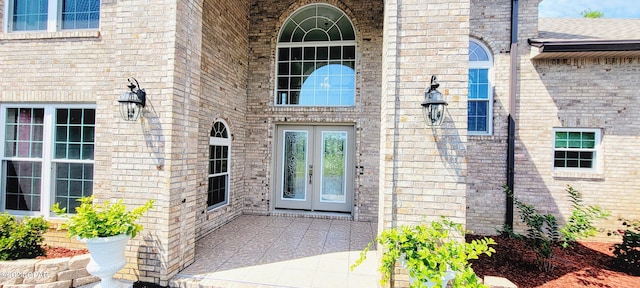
(103, 220)
(21, 239)
(580, 224)
(428, 250)
(627, 253)
(543, 231)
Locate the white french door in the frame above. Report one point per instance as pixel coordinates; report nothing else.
(315, 168)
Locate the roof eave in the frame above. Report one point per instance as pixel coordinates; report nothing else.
(583, 47)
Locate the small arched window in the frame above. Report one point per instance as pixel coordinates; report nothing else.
(316, 58)
(480, 106)
(219, 166)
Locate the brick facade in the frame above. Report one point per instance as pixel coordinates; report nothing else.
(262, 115)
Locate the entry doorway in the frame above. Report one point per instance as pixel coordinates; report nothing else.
(315, 168)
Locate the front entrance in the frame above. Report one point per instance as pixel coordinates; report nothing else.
(315, 168)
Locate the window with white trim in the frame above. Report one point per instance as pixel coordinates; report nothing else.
(51, 16)
(480, 98)
(219, 166)
(316, 58)
(576, 148)
(47, 156)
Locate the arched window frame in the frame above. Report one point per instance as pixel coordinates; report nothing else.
(219, 165)
(289, 81)
(474, 100)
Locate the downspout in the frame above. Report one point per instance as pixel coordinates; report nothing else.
(513, 73)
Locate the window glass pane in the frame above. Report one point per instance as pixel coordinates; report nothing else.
(283, 54)
(575, 156)
(349, 52)
(296, 68)
(477, 53)
(72, 181)
(217, 190)
(29, 15)
(309, 53)
(24, 132)
(75, 134)
(80, 14)
(335, 53)
(322, 53)
(283, 69)
(22, 189)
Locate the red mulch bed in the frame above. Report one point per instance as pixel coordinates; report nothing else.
(61, 252)
(587, 264)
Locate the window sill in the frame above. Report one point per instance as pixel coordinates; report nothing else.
(479, 137)
(578, 175)
(39, 35)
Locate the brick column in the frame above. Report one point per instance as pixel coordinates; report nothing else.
(423, 169)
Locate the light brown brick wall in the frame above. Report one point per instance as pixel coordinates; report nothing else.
(580, 93)
(266, 18)
(423, 169)
(225, 60)
(487, 155)
(132, 159)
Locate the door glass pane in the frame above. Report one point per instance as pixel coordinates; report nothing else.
(334, 155)
(295, 165)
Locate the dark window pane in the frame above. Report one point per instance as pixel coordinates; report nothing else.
(309, 53)
(349, 52)
(75, 116)
(322, 53)
(283, 54)
(75, 134)
(283, 68)
(296, 53)
(62, 116)
(335, 53)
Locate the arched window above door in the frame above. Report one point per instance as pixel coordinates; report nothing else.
(316, 58)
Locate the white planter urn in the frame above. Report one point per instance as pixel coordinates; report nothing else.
(107, 258)
(448, 276)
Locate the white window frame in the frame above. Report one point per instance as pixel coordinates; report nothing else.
(218, 141)
(484, 65)
(304, 44)
(47, 160)
(597, 150)
(54, 18)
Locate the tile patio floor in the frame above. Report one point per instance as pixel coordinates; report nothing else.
(274, 251)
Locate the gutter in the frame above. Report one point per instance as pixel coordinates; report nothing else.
(511, 130)
(591, 45)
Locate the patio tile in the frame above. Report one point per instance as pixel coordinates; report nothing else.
(329, 280)
(271, 251)
(297, 278)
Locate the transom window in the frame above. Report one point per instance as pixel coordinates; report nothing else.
(47, 156)
(219, 164)
(316, 58)
(37, 15)
(575, 148)
(480, 101)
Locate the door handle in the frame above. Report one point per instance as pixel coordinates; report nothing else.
(310, 173)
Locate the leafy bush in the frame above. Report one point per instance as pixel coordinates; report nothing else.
(580, 224)
(543, 231)
(102, 220)
(428, 251)
(627, 253)
(21, 239)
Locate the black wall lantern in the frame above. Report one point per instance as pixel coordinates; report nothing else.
(132, 102)
(434, 106)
